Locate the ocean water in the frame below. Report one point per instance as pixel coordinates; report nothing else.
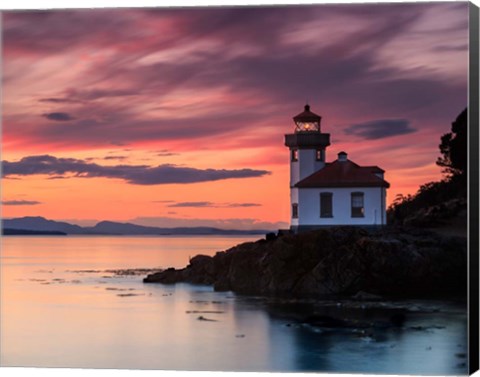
(76, 302)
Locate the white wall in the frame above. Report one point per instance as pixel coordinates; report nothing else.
(306, 165)
(308, 200)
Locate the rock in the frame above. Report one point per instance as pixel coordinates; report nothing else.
(361, 295)
(199, 271)
(270, 236)
(398, 319)
(168, 276)
(202, 318)
(325, 321)
(338, 261)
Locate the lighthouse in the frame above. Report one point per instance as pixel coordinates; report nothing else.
(307, 145)
(324, 193)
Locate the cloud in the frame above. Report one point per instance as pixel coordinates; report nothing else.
(78, 96)
(97, 93)
(115, 157)
(134, 174)
(58, 31)
(379, 129)
(165, 153)
(175, 75)
(56, 100)
(212, 205)
(443, 48)
(233, 205)
(20, 202)
(191, 204)
(118, 143)
(220, 79)
(60, 117)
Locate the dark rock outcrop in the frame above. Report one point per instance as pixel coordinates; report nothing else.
(335, 261)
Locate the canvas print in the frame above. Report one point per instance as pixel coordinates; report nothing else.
(252, 188)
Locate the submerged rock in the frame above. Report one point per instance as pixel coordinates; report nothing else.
(337, 261)
(326, 321)
(202, 318)
(361, 295)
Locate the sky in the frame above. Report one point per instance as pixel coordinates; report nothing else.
(177, 117)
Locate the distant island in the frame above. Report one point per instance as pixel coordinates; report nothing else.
(26, 232)
(36, 225)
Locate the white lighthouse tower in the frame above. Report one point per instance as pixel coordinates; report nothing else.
(323, 193)
(307, 153)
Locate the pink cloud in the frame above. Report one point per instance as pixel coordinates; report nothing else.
(232, 78)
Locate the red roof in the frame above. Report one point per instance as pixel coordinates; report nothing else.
(374, 169)
(344, 174)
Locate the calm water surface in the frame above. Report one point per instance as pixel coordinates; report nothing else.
(63, 304)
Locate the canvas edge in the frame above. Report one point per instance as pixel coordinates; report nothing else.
(473, 200)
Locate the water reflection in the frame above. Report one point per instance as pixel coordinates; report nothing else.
(66, 303)
(401, 337)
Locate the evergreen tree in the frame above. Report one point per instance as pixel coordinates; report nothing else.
(453, 147)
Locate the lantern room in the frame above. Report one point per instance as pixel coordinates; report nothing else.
(307, 121)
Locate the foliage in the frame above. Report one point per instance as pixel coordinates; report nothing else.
(453, 147)
(428, 195)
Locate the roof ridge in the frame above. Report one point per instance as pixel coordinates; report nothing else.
(343, 174)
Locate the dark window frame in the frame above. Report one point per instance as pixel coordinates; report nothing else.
(294, 210)
(356, 211)
(294, 156)
(319, 155)
(326, 208)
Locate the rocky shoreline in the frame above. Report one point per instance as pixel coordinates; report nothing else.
(339, 261)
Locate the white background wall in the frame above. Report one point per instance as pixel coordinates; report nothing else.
(306, 165)
(309, 206)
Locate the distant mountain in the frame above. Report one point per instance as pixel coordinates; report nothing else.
(110, 227)
(114, 228)
(41, 224)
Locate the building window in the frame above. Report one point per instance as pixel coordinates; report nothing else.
(358, 209)
(294, 154)
(326, 207)
(294, 211)
(320, 155)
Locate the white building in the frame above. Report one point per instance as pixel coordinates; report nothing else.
(330, 193)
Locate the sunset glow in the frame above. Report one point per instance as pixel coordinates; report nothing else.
(176, 117)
